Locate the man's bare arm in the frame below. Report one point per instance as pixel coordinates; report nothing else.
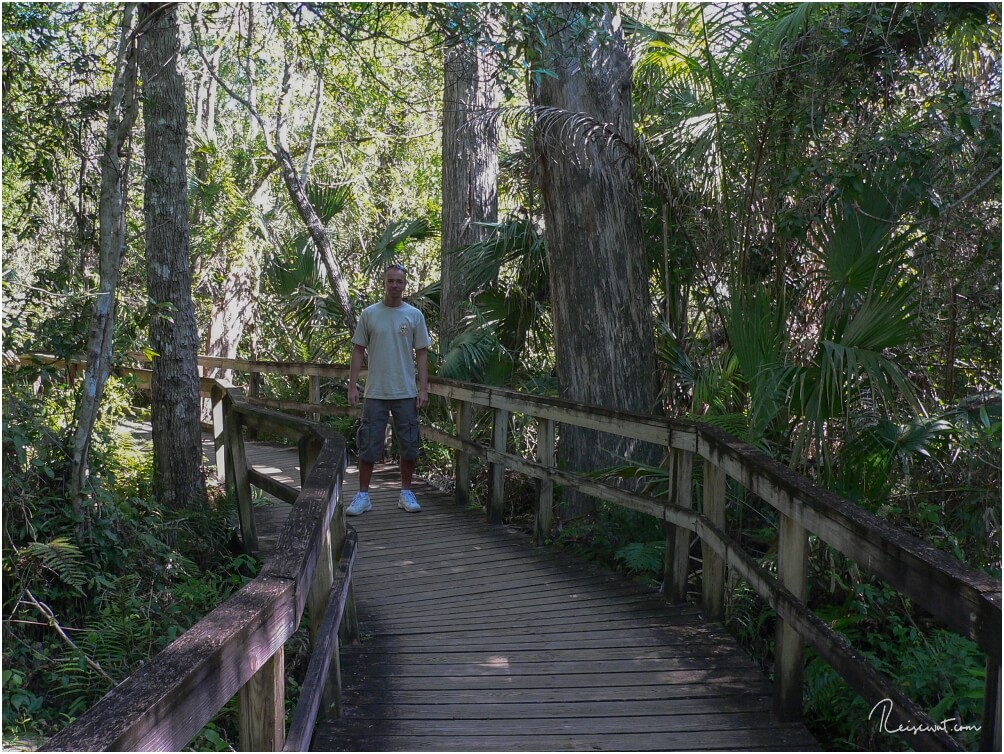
(422, 360)
(356, 365)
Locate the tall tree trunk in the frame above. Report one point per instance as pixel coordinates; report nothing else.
(603, 329)
(470, 173)
(179, 479)
(122, 112)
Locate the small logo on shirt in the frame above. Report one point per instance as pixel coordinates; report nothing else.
(403, 329)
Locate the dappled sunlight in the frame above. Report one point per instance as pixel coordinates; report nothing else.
(496, 663)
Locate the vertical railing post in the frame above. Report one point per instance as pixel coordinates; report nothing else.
(314, 394)
(254, 388)
(220, 406)
(990, 733)
(462, 459)
(262, 708)
(317, 602)
(713, 580)
(545, 487)
(496, 500)
(233, 439)
(789, 657)
(308, 448)
(676, 561)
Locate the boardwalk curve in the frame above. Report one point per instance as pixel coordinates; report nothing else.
(475, 640)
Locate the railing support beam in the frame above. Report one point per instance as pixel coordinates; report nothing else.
(462, 460)
(676, 561)
(789, 658)
(496, 501)
(713, 580)
(545, 487)
(262, 707)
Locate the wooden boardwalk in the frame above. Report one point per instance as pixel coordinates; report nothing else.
(473, 639)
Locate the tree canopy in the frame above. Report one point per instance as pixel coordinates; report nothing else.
(785, 216)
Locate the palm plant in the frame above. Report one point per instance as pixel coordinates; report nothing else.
(507, 328)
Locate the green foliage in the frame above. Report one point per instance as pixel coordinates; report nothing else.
(120, 583)
(942, 671)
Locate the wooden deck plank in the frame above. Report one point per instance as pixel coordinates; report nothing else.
(475, 640)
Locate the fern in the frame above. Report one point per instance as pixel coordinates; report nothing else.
(62, 558)
(642, 557)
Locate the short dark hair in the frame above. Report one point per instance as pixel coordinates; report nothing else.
(390, 267)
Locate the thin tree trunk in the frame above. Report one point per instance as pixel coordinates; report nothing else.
(179, 479)
(122, 113)
(470, 173)
(276, 143)
(603, 328)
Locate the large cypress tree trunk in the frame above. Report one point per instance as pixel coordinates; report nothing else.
(179, 480)
(470, 172)
(605, 349)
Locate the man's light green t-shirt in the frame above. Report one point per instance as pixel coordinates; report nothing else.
(391, 335)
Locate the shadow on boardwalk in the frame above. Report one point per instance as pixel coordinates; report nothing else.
(475, 640)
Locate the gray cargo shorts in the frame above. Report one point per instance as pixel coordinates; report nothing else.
(374, 425)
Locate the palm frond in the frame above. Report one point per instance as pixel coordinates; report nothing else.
(328, 201)
(395, 238)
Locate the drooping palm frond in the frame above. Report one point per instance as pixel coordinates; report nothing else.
(394, 239)
(870, 309)
(477, 355)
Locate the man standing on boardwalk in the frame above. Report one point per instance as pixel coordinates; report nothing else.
(394, 336)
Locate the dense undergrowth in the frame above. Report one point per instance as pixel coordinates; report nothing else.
(88, 599)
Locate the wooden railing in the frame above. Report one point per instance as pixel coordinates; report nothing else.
(963, 599)
(238, 647)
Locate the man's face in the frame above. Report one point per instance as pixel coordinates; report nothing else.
(394, 282)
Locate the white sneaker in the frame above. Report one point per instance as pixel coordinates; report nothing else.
(360, 504)
(408, 502)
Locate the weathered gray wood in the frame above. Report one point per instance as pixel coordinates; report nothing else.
(831, 646)
(224, 471)
(296, 551)
(261, 703)
(675, 433)
(496, 495)
(304, 369)
(273, 487)
(965, 600)
(166, 702)
(323, 671)
(237, 460)
(990, 734)
(462, 459)
(320, 587)
(308, 447)
(713, 578)
(449, 648)
(290, 427)
(545, 487)
(789, 654)
(314, 395)
(676, 560)
(633, 501)
(308, 409)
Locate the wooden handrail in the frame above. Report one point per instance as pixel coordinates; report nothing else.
(238, 647)
(963, 599)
